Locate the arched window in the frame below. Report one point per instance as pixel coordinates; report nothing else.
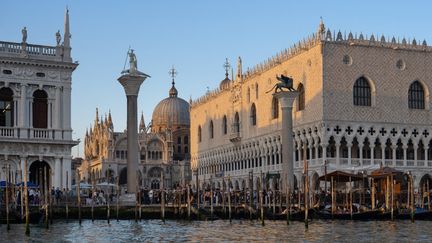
(179, 140)
(211, 129)
(6, 107)
(416, 96)
(248, 95)
(236, 125)
(275, 108)
(199, 134)
(301, 98)
(186, 140)
(362, 92)
(256, 91)
(40, 109)
(224, 125)
(253, 115)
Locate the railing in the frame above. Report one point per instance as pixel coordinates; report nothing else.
(32, 133)
(7, 132)
(36, 50)
(41, 133)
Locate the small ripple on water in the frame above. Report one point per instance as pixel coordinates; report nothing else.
(223, 231)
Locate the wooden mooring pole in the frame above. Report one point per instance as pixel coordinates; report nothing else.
(261, 199)
(229, 199)
(46, 196)
(118, 198)
(27, 214)
(7, 197)
(67, 197)
(79, 196)
(188, 201)
(162, 197)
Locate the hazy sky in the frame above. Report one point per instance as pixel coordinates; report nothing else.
(195, 36)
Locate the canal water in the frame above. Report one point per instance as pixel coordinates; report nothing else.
(221, 230)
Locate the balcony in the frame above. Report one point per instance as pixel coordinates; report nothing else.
(235, 133)
(34, 133)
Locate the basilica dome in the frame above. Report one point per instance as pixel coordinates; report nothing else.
(172, 111)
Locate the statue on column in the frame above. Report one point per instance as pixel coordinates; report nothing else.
(132, 62)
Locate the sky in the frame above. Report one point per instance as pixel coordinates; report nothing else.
(194, 36)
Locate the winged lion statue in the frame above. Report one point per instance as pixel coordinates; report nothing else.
(284, 83)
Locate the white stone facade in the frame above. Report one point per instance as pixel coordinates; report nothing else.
(388, 131)
(36, 121)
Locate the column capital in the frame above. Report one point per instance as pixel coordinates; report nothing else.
(286, 98)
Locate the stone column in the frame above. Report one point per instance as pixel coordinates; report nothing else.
(286, 100)
(67, 169)
(22, 162)
(394, 147)
(372, 151)
(404, 147)
(415, 154)
(383, 153)
(131, 83)
(337, 145)
(57, 173)
(361, 154)
(426, 148)
(57, 113)
(23, 101)
(66, 112)
(324, 153)
(349, 146)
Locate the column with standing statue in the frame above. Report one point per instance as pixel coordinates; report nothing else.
(131, 80)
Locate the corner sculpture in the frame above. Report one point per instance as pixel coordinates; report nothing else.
(284, 83)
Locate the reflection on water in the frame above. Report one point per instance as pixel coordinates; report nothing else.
(219, 230)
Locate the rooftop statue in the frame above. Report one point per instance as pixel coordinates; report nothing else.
(284, 83)
(24, 35)
(58, 37)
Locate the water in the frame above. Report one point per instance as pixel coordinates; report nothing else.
(221, 230)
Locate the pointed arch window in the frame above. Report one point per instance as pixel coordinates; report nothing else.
(224, 125)
(211, 129)
(253, 115)
(6, 107)
(301, 98)
(256, 91)
(362, 92)
(236, 125)
(416, 96)
(199, 134)
(40, 109)
(275, 108)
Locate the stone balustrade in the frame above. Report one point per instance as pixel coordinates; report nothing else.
(15, 49)
(32, 133)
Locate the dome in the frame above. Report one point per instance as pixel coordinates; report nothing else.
(172, 111)
(224, 84)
